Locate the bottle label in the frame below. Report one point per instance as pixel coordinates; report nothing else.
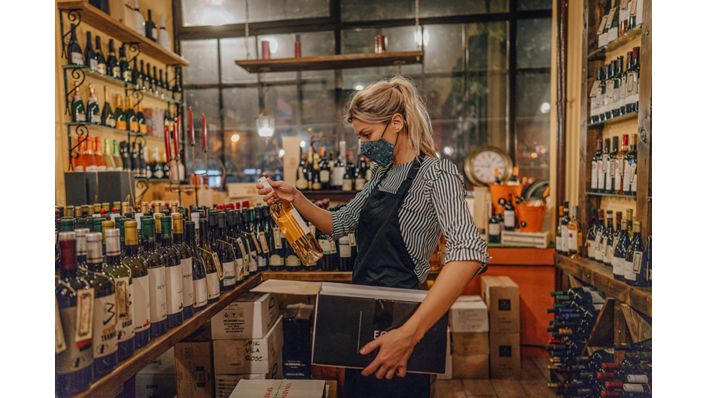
(127, 75)
(277, 238)
(200, 292)
(84, 310)
(276, 260)
(158, 294)
(254, 241)
(242, 247)
(76, 58)
(324, 176)
(495, 229)
(292, 261)
(324, 244)
(638, 379)
(618, 172)
(628, 176)
(240, 269)
(105, 338)
(344, 247)
(608, 252)
(263, 240)
(509, 219)
(634, 179)
(116, 71)
(332, 246)
(360, 182)
(617, 266)
(352, 239)
(212, 286)
(141, 303)
(229, 273)
(346, 185)
(101, 68)
(337, 178)
(74, 357)
(600, 250)
(572, 240)
(564, 238)
(187, 285)
(601, 174)
(595, 176)
(123, 297)
(59, 341)
(298, 219)
(174, 289)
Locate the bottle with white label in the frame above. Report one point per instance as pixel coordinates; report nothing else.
(105, 336)
(156, 271)
(250, 261)
(74, 298)
(140, 285)
(120, 274)
(210, 258)
(564, 229)
(635, 260)
(237, 246)
(198, 272)
(73, 49)
(173, 275)
(223, 249)
(345, 260)
(185, 262)
(596, 167)
(263, 231)
(278, 247)
(509, 215)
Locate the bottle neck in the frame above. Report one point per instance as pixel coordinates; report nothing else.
(131, 249)
(113, 259)
(68, 258)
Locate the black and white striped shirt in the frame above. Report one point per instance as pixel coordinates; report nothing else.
(434, 205)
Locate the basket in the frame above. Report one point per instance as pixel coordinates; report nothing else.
(530, 218)
(501, 192)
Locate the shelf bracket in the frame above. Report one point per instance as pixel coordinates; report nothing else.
(82, 134)
(133, 48)
(78, 75)
(138, 95)
(73, 16)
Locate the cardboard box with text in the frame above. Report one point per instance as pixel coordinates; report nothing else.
(502, 299)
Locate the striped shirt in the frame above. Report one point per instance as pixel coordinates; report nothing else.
(434, 205)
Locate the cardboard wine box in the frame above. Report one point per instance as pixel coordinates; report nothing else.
(244, 356)
(194, 376)
(470, 343)
(279, 389)
(468, 314)
(505, 354)
(250, 316)
(225, 384)
(297, 342)
(474, 366)
(155, 385)
(502, 299)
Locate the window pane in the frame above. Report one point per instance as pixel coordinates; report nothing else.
(240, 108)
(274, 10)
(203, 58)
(363, 40)
(205, 101)
(534, 42)
(487, 43)
(210, 12)
(281, 102)
(443, 96)
(535, 5)
(444, 48)
(231, 50)
(358, 10)
(439, 8)
(318, 102)
(533, 124)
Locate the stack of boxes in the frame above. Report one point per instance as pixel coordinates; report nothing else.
(297, 346)
(469, 338)
(158, 378)
(502, 298)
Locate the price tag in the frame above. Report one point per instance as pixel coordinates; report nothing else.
(277, 238)
(84, 317)
(59, 341)
(255, 243)
(263, 243)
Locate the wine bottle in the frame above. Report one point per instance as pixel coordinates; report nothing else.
(130, 116)
(347, 184)
(360, 174)
(217, 223)
(155, 82)
(173, 275)
(509, 214)
(494, 227)
(141, 284)
(156, 277)
(251, 232)
(93, 114)
(185, 263)
(120, 274)
(316, 182)
(150, 27)
(147, 85)
(239, 240)
(162, 35)
(629, 167)
(210, 262)
(100, 59)
(105, 337)
(301, 182)
(230, 237)
(596, 163)
(613, 159)
(345, 259)
(604, 177)
(607, 239)
(598, 241)
(78, 109)
(574, 231)
(262, 230)
(198, 272)
(112, 62)
(107, 117)
(74, 300)
(120, 119)
(325, 170)
(354, 247)
(295, 230)
(634, 272)
(337, 176)
(74, 49)
(126, 74)
(90, 56)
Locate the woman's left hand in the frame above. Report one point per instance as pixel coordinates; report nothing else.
(394, 350)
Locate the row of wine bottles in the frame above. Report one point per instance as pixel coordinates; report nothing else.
(146, 78)
(615, 170)
(317, 172)
(574, 374)
(615, 90)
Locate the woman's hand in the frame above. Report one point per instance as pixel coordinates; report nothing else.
(280, 189)
(394, 350)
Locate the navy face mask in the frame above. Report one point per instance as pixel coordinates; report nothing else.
(380, 151)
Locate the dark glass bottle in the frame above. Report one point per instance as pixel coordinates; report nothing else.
(617, 252)
(608, 238)
(156, 271)
(635, 274)
(141, 284)
(253, 239)
(494, 227)
(207, 253)
(263, 231)
(112, 61)
(150, 27)
(100, 59)
(243, 258)
(613, 169)
(230, 238)
(73, 49)
(78, 108)
(217, 222)
(173, 275)
(198, 271)
(345, 258)
(120, 274)
(509, 215)
(91, 61)
(604, 176)
(360, 174)
(74, 365)
(185, 262)
(93, 114)
(596, 168)
(126, 74)
(107, 116)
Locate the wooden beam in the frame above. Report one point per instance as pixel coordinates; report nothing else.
(645, 107)
(560, 194)
(602, 334)
(638, 327)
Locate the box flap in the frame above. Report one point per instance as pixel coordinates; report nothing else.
(373, 292)
(280, 286)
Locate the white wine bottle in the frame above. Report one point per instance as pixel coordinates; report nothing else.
(295, 229)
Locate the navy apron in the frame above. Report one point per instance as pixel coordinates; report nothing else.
(383, 260)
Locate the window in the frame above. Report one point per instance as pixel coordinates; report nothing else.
(476, 92)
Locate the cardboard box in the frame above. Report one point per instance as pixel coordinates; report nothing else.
(194, 376)
(470, 366)
(502, 298)
(251, 316)
(297, 345)
(155, 385)
(470, 343)
(505, 354)
(468, 314)
(246, 356)
(164, 364)
(331, 388)
(348, 316)
(225, 384)
(279, 389)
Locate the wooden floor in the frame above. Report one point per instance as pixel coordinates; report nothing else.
(532, 383)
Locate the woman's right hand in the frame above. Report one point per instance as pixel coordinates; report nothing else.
(280, 190)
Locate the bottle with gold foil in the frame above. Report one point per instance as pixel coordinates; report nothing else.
(295, 230)
(185, 262)
(173, 275)
(121, 276)
(156, 271)
(120, 119)
(141, 284)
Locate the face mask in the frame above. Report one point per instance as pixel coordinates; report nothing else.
(380, 151)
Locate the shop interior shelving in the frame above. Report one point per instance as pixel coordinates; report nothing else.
(328, 62)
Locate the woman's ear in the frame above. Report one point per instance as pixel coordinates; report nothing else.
(398, 122)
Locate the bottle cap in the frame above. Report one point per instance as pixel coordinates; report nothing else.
(130, 232)
(67, 224)
(95, 249)
(166, 223)
(178, 222)
(112, 241)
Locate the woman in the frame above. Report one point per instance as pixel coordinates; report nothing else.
(411, 199)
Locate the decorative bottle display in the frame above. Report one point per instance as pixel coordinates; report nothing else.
(120, 274)
(141, 284)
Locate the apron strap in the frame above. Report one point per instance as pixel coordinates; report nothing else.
(405, 186)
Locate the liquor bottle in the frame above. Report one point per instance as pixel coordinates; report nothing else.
(348, 179)
(509, 214)
(105, 337)
(494, 227)
(140, 76)
(74, 49)
(156, 271)
(278, 245)
(315, 178)
(250, 261)
(138, 19)
(78, 109)
(630, 161)
(90, 56)
(100, 59)
(141, 121)
(130, 116)
(607, 238)
(120, 118)
(337, 176)
(251, 232)
(150, 27)
(604, 176)
(198, 272)
(217, 223)
(210, 258)
(316, 265)
(107, 117)
(632, 80)
(325, 170)
(185, 263)
(617, 254)
(360, 174)
(173, 275)
(112, 62)
(301, 182)
(140, 296)
(635, 272)
(155, 82)
(238, 249)
(263, 231)
(120, 274)
(295, 230)
(93, 114)
(117, 159)
(108, 155)
(147, 82)
(574, 232)
(74, 299)
(614, 159)
(98, 155)
(126, 74)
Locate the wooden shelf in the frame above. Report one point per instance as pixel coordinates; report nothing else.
(100, 20)
(601, 278)
(338, 61)
(612, 195)
(621, 41)
(338, 196)
(627, 116)
(99, 127)
(125, 370)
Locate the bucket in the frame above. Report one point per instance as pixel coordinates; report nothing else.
(499, 192)
(530, 218)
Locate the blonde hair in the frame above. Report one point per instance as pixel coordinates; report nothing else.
(377, 103)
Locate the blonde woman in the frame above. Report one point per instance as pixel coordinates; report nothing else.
(412, 197)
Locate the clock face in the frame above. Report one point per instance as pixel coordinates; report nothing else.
(484, 164)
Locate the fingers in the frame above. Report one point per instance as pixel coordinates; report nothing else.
(370, 347)
(389, 375)
(371, 367)
(263, 191)
(402, 371)
(380, 374)
(275, 184)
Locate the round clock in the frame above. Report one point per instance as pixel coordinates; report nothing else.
(480, 164)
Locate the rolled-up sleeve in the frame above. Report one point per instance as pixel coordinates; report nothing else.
(463, 239)
(345, 219)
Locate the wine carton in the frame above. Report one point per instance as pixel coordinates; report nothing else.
(475, 366)
(164, 364)
(244, 356)
(225, 384)
(149, 385)
(502, 299)
(279, 389)
(470, 343)
(468, 314)
(194, 376)
(505, 354)
(250, 316)
(297, 346)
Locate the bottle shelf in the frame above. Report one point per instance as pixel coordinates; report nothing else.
(601, 278)
(618, 43)
(122, 83)
(330, 62)
(612, 195)
(104, 128)
(627, 116)
(106, 23)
